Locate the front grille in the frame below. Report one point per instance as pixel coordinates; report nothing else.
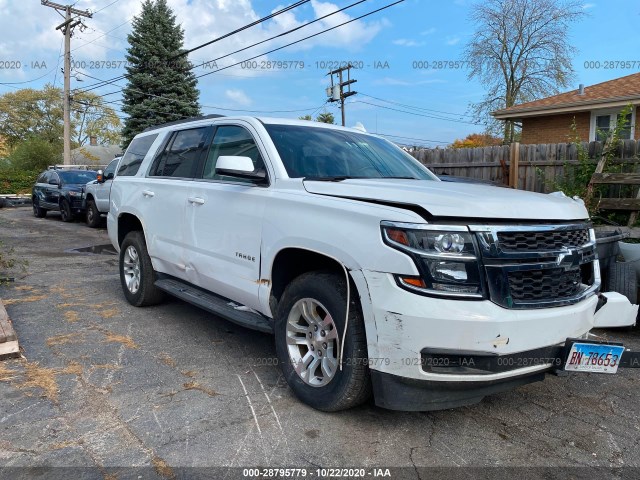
(540, 266)
(542, 241)
(541, 285)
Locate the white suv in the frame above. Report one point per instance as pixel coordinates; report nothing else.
(370, 272)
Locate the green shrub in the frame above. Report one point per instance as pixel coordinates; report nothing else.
(13, 180)
(35, 153)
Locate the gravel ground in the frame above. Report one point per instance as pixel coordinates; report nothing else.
(173, 392)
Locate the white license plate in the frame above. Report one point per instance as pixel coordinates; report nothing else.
(595, 358)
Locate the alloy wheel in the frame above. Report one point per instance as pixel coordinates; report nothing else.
(312, 342)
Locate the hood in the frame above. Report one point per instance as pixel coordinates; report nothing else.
(450, 199)
(76, 187)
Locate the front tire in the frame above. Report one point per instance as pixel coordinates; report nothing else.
(309, 328)
(65, 211)
(38, 211)
(137, 276)
(92, 215)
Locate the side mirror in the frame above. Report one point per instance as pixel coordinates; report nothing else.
(237, 166)
(108, 176)
(100, 176)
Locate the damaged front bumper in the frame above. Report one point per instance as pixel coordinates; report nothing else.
(431, 354)
(400, 393)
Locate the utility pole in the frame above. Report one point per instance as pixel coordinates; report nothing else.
(70, 22)
(336, 92)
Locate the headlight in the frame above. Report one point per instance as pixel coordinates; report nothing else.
(444, 255)
(75, 194)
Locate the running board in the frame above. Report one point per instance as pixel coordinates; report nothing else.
(216, 304)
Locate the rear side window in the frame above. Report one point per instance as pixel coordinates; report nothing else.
(42, 178)
(134, 155)
(181, 155)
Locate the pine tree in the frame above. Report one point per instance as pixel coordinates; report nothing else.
(161, 87)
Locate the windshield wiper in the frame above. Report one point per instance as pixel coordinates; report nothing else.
(337, 178)
(340, 178)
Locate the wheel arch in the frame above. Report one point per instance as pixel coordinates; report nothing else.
(128, 222)
(291, 262)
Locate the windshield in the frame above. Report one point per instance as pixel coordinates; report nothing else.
(77, 177)
(315, 152)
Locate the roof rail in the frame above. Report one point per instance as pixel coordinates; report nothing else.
(184, 120)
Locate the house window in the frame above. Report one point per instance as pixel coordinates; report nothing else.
(602, 122)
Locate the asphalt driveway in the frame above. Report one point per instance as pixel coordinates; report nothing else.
(104, 385)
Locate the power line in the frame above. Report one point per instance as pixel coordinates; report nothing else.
(412, 138)
(55, 69)
(103, 35)
(416, 113)
(112, 81)
(414, 107)
(245, 27)
(256, 56)
(307, 37)
(213, 107)
(252, 24)
(106, 6)
(32, 80)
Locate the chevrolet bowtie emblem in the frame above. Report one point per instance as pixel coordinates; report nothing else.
(568, 258)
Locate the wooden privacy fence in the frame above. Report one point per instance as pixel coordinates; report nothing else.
(539, 167)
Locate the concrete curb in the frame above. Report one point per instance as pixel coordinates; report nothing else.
(8, 339)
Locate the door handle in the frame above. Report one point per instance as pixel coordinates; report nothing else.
(148, 193)
(196, 200)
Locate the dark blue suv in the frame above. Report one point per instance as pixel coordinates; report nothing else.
(63, 190)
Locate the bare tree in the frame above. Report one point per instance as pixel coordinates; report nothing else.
(520, 51)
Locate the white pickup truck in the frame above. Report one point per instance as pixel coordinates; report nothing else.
(373, 275)
(96, 194)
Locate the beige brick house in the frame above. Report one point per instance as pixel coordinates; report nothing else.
(595, 109)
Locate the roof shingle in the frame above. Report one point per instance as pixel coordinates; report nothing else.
(618, 88)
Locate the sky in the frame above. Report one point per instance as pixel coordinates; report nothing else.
(400, 94)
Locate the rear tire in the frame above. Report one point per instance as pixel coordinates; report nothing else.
(137, 276)
(65, 211)
(38, 211)
(622, 279)
(93, 215)
(313, 304)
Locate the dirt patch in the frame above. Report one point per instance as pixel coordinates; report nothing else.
(24, 288)
(73, 368)
(6, 374)
(109, 312)
(162, 468)
(71, 316)
(42, 378)
(122, 339)
(31, 298)
(64, 339)
(197, 386)
(189, 373)
(105, 366)
(72, 304)
(167, 360)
